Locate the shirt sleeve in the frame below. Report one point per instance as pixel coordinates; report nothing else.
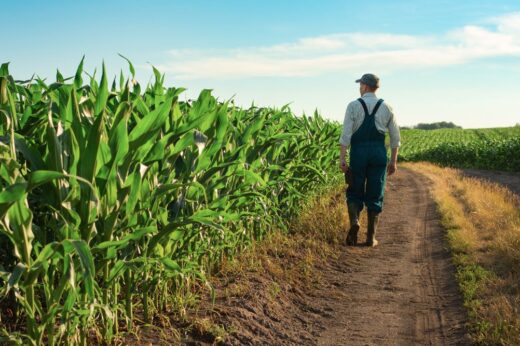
(348, 124)
(393, 130)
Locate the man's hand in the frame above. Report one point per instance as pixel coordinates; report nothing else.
(391, 168)
(343, 165)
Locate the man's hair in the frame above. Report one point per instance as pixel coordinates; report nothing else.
(371, 89)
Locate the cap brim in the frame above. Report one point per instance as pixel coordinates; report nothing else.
(358, 80)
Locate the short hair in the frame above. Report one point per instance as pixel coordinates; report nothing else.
(370, 88)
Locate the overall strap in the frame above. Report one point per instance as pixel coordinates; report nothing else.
(365, 108)
(377, 106)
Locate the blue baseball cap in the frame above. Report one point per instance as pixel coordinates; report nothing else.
(369, 79)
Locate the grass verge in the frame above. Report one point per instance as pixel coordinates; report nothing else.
(482, 220)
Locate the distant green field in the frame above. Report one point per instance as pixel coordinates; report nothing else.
(492, 148)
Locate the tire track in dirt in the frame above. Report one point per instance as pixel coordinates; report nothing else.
(402, 292)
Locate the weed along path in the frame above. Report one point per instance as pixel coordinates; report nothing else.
(402, 292)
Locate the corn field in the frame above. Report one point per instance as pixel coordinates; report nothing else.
(464, 148)
(116, 197)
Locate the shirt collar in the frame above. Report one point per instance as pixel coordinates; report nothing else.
(369, 94)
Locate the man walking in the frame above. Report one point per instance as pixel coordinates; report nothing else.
(367, 119)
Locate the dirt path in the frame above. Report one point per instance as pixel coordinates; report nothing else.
(402, 292)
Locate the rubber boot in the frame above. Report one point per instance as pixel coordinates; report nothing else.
(353, 215)
(373, 219)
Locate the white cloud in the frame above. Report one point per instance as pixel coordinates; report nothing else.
(509, 23)
(346, 51)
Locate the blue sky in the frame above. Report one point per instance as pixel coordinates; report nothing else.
(444, 60)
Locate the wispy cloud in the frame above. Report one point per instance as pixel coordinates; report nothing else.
(346, 51)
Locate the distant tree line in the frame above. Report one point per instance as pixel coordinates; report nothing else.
(437, 125)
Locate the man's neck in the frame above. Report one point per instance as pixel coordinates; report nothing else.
(368, 94)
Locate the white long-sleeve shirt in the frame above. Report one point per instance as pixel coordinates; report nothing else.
(384, 119)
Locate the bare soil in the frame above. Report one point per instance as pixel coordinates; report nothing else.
(508, 179)
(402, 292)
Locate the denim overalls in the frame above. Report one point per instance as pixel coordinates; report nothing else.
(368, 162)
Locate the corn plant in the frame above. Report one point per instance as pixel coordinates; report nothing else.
(115, 197)
(464, 148)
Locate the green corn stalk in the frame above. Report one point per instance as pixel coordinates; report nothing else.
(463, 148)
(120, 198)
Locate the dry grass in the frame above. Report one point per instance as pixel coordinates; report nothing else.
(312, 238)
(281, 262)
(483, 224)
